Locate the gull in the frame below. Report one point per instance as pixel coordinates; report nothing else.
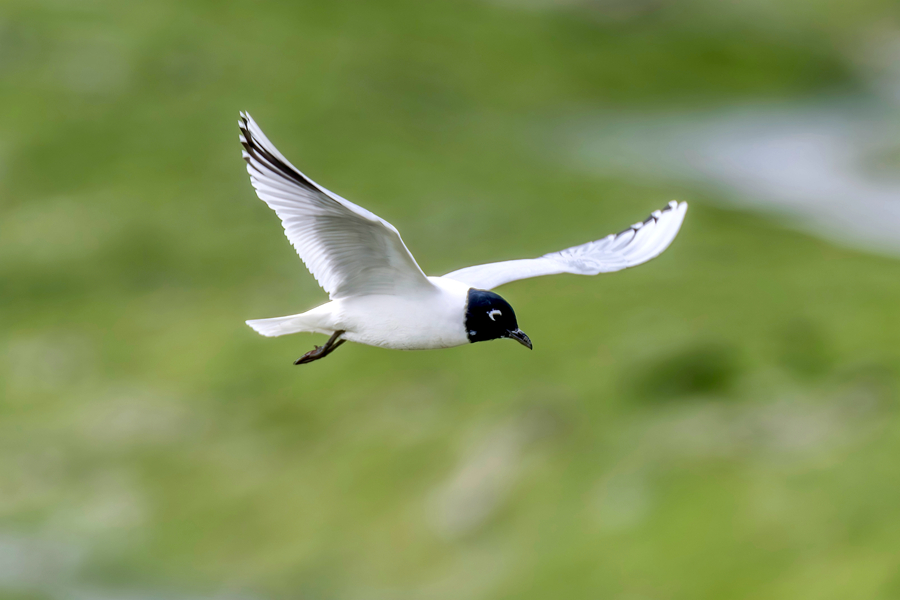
(378, 294)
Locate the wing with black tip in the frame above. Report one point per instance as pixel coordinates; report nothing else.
(636, 245)
(349, 250)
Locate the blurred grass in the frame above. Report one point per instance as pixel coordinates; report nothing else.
(721, 423)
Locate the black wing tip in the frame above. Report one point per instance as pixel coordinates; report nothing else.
(246, 138)
(253, 148)
(256, 150)
(655, 216)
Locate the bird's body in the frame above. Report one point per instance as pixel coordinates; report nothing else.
(380, 296)
(424, 320)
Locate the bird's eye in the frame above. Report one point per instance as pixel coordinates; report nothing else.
(493, 314)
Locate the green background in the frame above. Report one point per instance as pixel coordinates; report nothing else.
(720, 423)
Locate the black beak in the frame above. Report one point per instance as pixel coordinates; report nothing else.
(520, 337)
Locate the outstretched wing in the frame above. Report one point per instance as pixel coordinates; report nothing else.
(349, 250)
(637, 244)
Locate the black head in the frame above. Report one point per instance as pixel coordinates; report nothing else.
(490, 317)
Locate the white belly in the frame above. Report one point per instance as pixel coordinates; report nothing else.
(420, 322)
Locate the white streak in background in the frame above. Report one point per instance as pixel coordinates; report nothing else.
(36, 565)
(50, 568)
(481, 483)
(811, 163)
(31, 563)
(490, 466)
(816, 163)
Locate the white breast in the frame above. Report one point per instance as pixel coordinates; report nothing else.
(422, 321)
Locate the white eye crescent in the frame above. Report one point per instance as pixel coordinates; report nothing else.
(493, 314)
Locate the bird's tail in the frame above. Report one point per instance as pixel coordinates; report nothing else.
(281, 325)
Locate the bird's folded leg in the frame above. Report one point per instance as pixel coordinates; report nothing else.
(322, 351)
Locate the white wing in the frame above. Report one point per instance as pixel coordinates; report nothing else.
(349, 250)
(637, 244)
